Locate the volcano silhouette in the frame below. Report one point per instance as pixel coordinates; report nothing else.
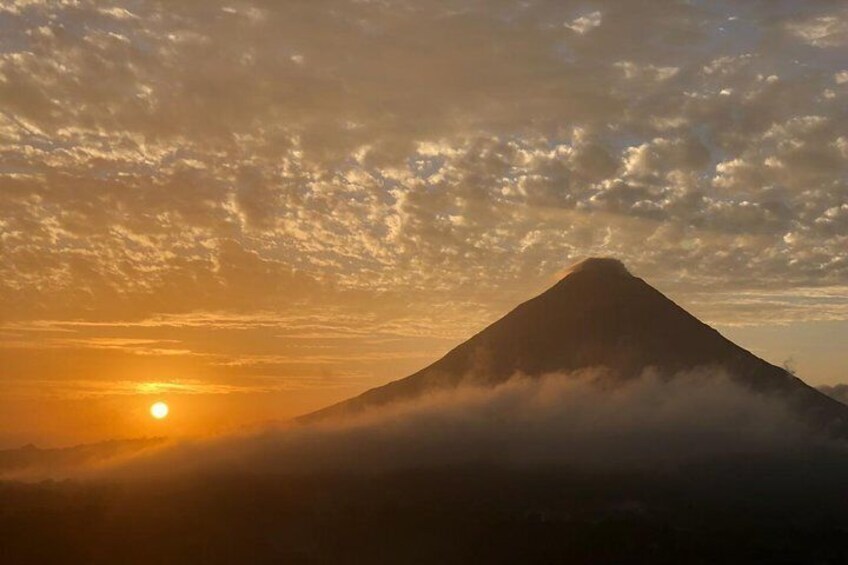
(600, 316)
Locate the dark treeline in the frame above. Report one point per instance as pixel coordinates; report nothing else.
(746, 510)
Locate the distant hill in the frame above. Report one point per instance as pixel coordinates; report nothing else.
(599, 315)
(34, 459)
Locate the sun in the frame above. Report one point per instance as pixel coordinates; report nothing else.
(159, 410)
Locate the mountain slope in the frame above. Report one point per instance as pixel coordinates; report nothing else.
(599, 315)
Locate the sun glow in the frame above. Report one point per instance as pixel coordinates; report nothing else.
(159, 410)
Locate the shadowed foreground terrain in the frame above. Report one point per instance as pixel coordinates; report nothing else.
(745, 511)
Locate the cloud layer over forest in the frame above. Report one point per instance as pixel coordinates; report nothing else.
(582, 422)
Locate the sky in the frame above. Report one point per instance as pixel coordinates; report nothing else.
(254, 209)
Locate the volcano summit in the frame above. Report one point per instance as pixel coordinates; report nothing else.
(600, 316)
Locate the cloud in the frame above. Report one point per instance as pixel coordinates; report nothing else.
(585, 24)
(822, 31)
(316, 154)
(839, 392)
(583, 421)
(635, 71)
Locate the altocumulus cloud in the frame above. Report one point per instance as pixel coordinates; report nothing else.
(154, 159)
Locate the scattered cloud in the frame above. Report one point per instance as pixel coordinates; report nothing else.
(824, 31)
(585, 24)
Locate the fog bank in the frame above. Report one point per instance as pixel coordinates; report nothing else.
(583, 421)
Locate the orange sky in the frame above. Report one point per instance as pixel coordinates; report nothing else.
(253, 209)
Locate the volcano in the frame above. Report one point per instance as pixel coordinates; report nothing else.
(600, 316)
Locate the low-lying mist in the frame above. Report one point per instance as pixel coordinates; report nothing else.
(579, 468)
(584, 421)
